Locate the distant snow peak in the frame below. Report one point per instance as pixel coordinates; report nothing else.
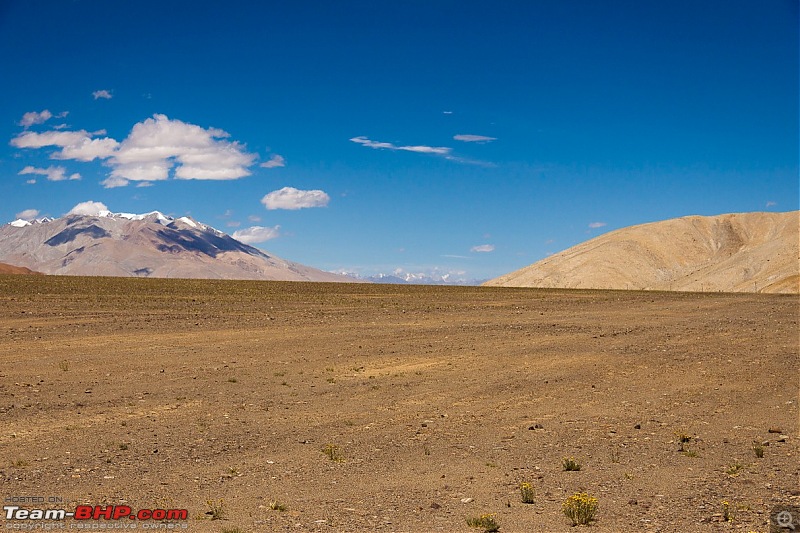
(97, 209)
(20, 223)
(189, 221)
(401, 276)
(152, 216)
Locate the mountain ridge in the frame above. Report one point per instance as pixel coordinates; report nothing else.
(146, 245)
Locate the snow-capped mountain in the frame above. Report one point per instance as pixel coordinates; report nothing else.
(145, 245)
(401, 277)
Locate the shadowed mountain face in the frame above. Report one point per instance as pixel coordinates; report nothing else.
(206, 243)
(743, 252)
(151, 245)
(70, 233)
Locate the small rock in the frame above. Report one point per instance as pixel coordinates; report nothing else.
(637, 426)
(775, 430)
(466, 500)
(435, 505)
(633, 502)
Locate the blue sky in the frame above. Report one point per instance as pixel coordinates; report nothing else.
(466, 137)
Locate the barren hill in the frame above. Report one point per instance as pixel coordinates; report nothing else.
(149, 245)
(11, 269)
(740, 252)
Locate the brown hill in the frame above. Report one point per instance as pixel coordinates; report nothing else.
(740, 252)
(11, 269)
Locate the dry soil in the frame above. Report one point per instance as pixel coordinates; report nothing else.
(439, 403)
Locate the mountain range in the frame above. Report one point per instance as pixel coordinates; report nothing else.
(417, 278)
(148, 245)
(739, 252)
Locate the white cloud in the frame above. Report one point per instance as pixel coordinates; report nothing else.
(102, 94)
(31, 139)
(88, 149)
(88, 208)
(770, 203)
(233, 224)
(474, 138)
(31, 118)
(275, 161)
(28, 214)
(256, 234)
(112, 182)
(484, 248)
(154, 146)
(594, 225)
(52, 173)
(437, 150)
(254, 218)
(151, 150)
(291, 198)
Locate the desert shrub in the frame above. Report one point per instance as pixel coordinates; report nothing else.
(570, 464)
(333, 452)
(216, 509)
(758, 449)
(727, 512)
(277, 506)
(527, 492)
(734, 468)
(485, 522)
(580, 508)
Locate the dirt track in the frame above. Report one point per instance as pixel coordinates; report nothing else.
(166, 393)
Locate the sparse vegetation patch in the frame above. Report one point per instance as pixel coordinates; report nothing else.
(486, 522)
(580, 508)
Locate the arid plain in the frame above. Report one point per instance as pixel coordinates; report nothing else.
(437, 402)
